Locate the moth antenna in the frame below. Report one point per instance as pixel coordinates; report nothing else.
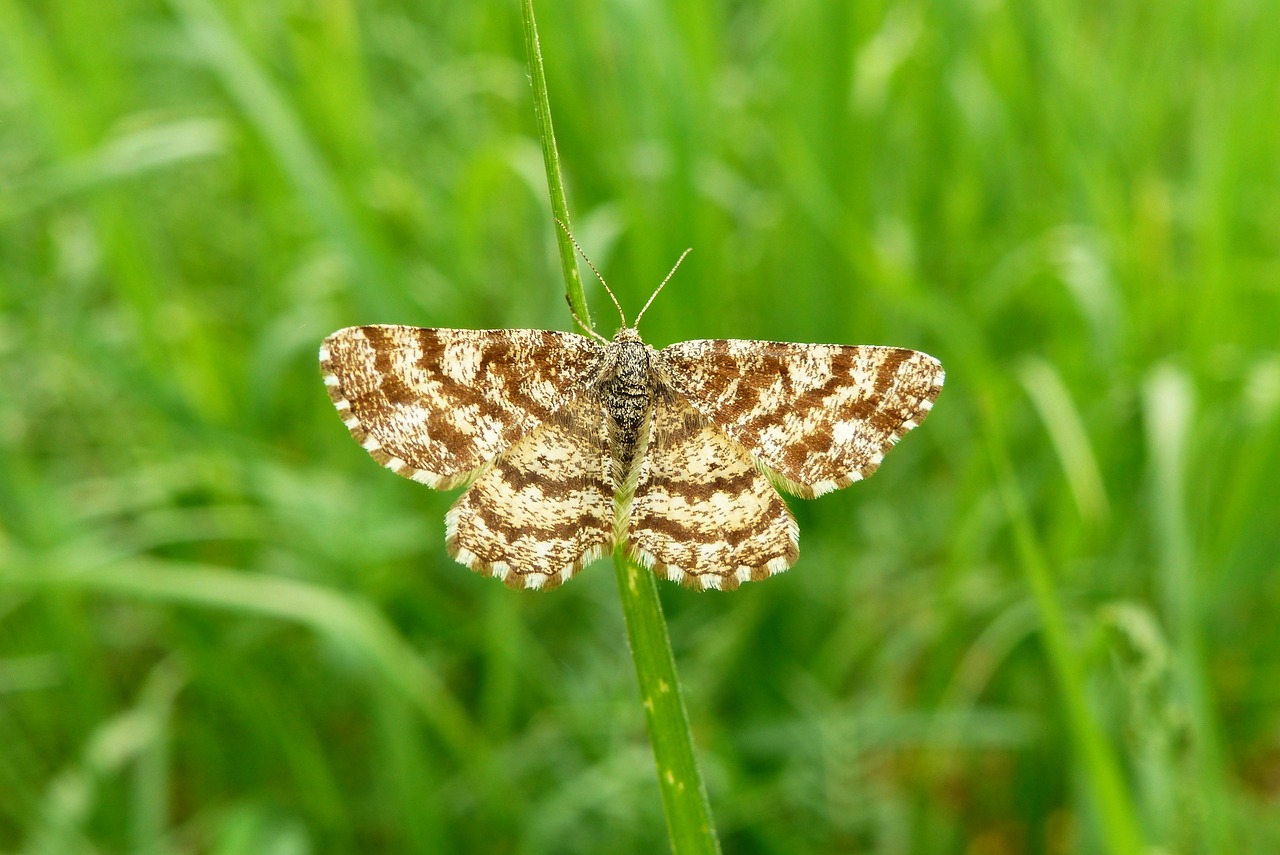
(586, 327)
(607, 289)
(660, 287)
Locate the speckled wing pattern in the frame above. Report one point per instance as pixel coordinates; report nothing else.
(437, 405)
(816, 417)
(545, 509)
(570, 447)
(703, 514)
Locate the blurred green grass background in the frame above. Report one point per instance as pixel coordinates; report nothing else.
(224, 629)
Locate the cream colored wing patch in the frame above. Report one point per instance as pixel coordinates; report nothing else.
(702, 513)
(820, 416)
(544, 509)
(435, 405)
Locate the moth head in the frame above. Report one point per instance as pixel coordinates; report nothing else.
(625, 334)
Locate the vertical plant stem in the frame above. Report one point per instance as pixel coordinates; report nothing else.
(551, 160)
(684, 796)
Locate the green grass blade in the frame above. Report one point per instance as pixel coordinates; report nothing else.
(1052, 401)
(1119, 827)
(329, 613)
(684, 796)
(296, 154)
(1169, 403)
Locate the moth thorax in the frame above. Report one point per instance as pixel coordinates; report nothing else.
(632, 374)
(628, 396)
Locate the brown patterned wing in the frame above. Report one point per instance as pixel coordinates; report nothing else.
(545, 508)
(436, 405)
(702, 512)
(818, 416)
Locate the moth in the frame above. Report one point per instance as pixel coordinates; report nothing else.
(570, 445)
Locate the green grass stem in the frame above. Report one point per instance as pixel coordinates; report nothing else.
(684, 796)
(551, 160)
